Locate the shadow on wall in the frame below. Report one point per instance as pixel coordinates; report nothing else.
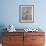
(2, 26)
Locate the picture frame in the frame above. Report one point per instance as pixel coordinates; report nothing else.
(26, 13)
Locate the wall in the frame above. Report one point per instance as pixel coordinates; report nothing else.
(10, 13)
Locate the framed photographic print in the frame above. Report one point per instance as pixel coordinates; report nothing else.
(26, 13)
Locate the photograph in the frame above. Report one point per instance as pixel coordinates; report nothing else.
(26, 13)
